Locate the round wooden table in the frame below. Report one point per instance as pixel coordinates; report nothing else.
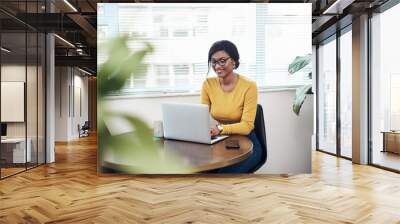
(201, 157)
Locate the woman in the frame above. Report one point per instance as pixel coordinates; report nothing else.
(232, 100)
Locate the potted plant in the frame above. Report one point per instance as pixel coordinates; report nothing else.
(300, 63)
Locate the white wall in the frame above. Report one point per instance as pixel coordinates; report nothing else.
(288, 135)
(80, 83)
(61, 103)
(314, 89)
(17, 73)
(10, 73)
(70, 83)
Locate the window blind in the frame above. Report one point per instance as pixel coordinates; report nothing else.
(268, 37)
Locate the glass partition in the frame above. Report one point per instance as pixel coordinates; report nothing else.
(22, 77)
(33, 63)
(13, 113)
(31, 99)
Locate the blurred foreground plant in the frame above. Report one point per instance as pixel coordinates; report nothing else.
(137, 149)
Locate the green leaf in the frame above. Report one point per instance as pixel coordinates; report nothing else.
(139, 151)
(121, 65)
(299, 63)
(300, 97)
(140, 154)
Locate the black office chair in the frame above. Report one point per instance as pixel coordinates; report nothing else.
(84, 130)
(86, 126)
(259, 129)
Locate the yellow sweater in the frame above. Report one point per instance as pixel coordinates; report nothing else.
(235, 110)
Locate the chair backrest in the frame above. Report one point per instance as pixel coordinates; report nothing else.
(259, 129)
(86, 125)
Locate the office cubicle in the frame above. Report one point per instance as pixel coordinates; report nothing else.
(22, 77)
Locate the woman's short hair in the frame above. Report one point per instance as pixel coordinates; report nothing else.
(228, 47)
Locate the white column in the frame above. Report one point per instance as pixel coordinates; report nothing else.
(50, 92)
(50, 100)
(360, 90)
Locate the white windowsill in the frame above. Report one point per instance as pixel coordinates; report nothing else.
(172, 94)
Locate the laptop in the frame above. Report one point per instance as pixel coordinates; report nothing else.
(188, 122)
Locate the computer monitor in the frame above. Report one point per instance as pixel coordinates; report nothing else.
(3, 129)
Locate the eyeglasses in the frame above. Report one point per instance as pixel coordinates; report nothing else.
(220, 62)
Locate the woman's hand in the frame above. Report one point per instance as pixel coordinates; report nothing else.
(214, 131)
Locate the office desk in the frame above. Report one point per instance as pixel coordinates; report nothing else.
(199, 157)
(13, 150)
(391, 141)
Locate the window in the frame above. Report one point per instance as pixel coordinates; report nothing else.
(134, 20)
(385, 87)
(181, 33)
(158, 18)
(394, 101)
(327, 96)
(199, 69)
(346, 75)
(102, 31)
(100, 9)
(181, 70)
(162, 70)
(163, 32)
(201, 28)
(181, 74)
(268, 37)
(162, 73)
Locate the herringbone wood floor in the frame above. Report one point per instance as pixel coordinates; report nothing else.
(70, 191)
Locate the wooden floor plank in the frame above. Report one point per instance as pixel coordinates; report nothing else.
(70, 191)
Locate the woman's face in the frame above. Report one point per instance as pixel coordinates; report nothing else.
(222, 64)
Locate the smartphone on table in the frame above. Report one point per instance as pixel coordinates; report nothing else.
(232, 144)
